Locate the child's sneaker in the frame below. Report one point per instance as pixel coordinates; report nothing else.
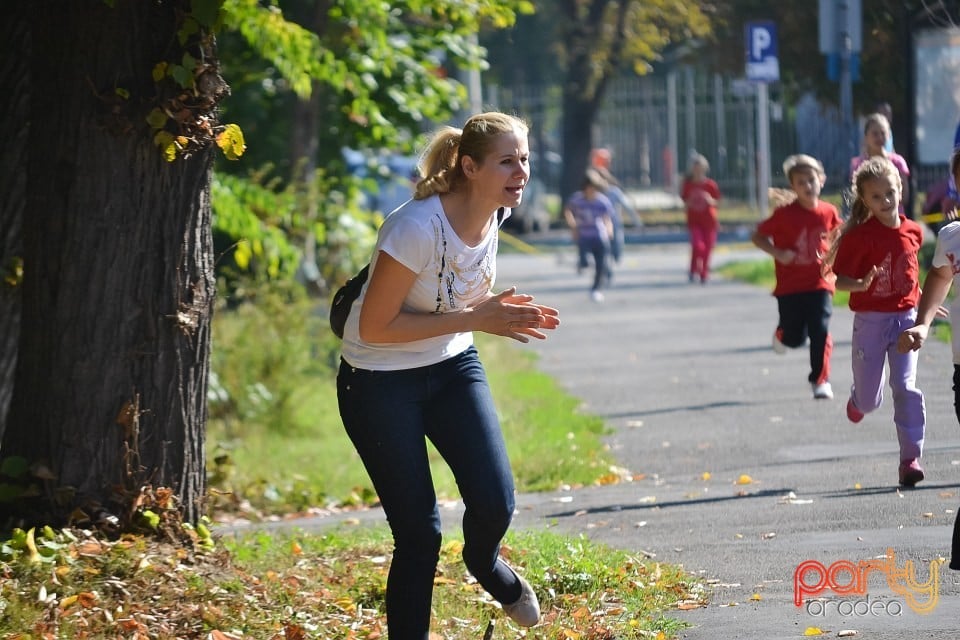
(526, 610)
(778, 347)
(853, 414)
(910, 472)
(822, 391)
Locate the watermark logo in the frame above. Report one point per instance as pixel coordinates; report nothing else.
(846, 578)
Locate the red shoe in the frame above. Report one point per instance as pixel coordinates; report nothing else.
(853, 414)
(910, 472)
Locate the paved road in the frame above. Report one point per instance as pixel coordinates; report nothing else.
(685, 377)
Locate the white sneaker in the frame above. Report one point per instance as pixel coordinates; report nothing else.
(596, 296)
(526, 610)
(822, 391)
(778, 347)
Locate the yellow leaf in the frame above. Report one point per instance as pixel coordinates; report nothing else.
(295, 548)
(857, 486)
(69, 600)
(705, 476)
(242, 255)
(744, 479)
(159, 71)
(167, 144)
(813, 631)
(756, 597)
(580, 613)
(32, 546)
(453, 547)
(230, 141)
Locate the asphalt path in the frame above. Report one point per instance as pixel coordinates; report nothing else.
(739, 475)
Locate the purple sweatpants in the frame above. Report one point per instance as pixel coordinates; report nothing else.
(874, 344)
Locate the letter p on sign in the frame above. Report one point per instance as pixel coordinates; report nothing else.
(761, 44)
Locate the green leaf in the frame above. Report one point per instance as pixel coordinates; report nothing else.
(14, 466)
(206, 12)
(182, 76)
(157, 118)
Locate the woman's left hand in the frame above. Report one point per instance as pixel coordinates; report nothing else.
(515, 315)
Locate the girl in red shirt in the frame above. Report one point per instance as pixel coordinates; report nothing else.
(875, 259)
(700, 194)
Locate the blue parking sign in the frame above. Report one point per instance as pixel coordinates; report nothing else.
(761, 43)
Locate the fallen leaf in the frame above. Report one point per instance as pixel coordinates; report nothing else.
(705, 476)
(756, 597)
(813, 631)
(744, 479)
(858, 486)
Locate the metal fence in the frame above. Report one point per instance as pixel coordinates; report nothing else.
(653, 123)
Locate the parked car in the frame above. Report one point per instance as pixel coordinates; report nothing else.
(393, 175)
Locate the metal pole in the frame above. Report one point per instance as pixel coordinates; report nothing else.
(763, 149)
(672, 142)
(691, 111)
(721, 125)
(846, 80)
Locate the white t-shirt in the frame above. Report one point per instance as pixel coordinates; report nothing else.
(947, 253)
(451, 276)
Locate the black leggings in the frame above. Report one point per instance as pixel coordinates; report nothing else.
(955, 555)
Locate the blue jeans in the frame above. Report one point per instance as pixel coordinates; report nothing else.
(388, 416)
(599, 248)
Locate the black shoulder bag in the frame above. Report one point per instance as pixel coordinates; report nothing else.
(343, 300)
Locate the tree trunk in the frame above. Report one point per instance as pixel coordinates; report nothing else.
(14, 125)
(110, 393)
(583, 89)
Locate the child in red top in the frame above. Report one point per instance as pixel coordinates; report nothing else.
(797, 235)
(876, 260)
(700, 194)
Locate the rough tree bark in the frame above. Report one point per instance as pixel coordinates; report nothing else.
(110, 388)
(14, 38)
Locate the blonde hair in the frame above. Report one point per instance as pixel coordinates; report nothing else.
(876, 119)
(440, 164)
(875, 168)
(802, 161)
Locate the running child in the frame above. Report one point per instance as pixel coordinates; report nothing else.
(875, 258)
(944, 272)
(701, 195)
(797, 235)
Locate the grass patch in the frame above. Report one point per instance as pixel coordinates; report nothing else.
(285, 449)
(294, 584)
